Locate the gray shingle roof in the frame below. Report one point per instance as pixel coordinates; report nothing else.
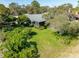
(36, 17)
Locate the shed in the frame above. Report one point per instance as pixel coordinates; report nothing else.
(36, 19)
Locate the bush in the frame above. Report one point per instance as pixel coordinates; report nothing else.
(64, 26)
(63, 29)
(17, 44)
(23, 19)
(46, 16)
(59, 21)
(71, 28)
(10, 18)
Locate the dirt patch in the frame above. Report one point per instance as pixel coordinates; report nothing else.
(71, 52)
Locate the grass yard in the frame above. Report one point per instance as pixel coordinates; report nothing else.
(49, 44)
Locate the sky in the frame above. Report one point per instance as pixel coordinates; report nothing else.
(50, 3)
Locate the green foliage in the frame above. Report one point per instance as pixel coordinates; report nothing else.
(16, 9)
(56, 11)
(62, 9)
(2, 9)
(17, 44)
(48, 38)
(34, 8)
(35, 4)
(75, 10)
(10, 18)
(64, 26)
(59, 21)
(1, 19)
(23, 19)
(46, 16)
(4, 12)
(70, 29)
(63, 29)
(13, 8)
(43, 9)
(73, 28)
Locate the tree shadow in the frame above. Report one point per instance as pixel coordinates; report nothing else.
(35, 51)
(32, 34)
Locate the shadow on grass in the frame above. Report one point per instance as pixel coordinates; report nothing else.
(32, 34)
(35, 51)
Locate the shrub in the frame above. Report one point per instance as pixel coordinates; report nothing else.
(17, 45)
(46, 16)
(23, 19)
(63, 30)
(64, 26)
(71, 28)
(10, 18)
(59, 21)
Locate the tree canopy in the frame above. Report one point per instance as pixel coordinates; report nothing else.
(35, 4)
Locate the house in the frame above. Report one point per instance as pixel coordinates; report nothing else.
(36, 19)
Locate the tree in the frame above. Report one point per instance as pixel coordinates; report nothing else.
(36, 7)
(71, 29)
(35, 4)
(29, 9)
(16, 9)
(13, 7)
(4, 12)
(2, 9)
(62, 9)
(44, 9)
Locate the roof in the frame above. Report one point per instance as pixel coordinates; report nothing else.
(77, 16)
(35, 17)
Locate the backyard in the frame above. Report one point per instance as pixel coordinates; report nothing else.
(33, 30)
(51, 44)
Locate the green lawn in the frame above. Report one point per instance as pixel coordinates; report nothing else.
(49, 44)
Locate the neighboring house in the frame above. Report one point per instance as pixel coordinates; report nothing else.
(77, 16)
(36, 19)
